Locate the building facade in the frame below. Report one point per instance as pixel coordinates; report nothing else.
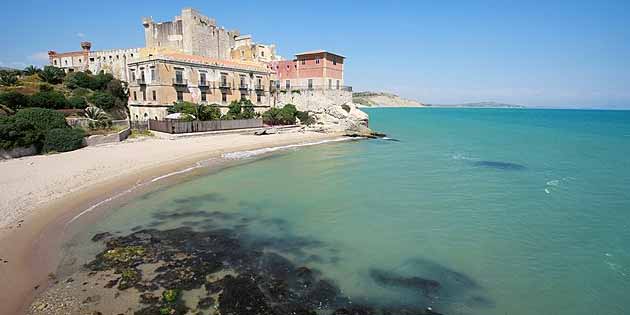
(310, 70)
(158, 81)
(109, 61)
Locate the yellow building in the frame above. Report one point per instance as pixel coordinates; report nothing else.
(161, 79)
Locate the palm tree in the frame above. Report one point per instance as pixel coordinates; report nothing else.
(95, 113)
(31, 70)
(8, 78)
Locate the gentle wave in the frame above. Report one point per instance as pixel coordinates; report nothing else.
(463, 157)
(248, 154)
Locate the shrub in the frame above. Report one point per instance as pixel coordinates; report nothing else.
(100, 81)
(79, 80)
(41, 118)
(102, 99)
(45, 87)
(77, 102)
(8, 78)
(14, 100)
(81, 92)
(235, 109)
(277, 116)
(52, 75)
(48, 99)
(14, 133)
(183, 107)
(205, 112)
(305, 118)
(63, 139)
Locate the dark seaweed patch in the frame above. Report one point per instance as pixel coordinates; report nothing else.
(506, 166)
(254, 282)
(428, 287)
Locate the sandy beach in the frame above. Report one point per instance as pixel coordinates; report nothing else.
(40, 194)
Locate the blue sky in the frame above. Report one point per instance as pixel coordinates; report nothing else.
(537, 53)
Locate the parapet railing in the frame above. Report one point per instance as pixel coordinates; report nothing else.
(314, 88)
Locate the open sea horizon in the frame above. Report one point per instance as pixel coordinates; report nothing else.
(510, 211)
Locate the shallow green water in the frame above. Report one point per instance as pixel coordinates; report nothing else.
(545, 231)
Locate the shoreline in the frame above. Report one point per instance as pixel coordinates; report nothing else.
(30, 249)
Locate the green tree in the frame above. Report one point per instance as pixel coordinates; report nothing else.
(14, 100)
(78, 102)
(100, 81)
(52, 75)
(15, 134)
(32, 70)
(103, 100)
(63, 139)
(48, 99)
(208, 112)
(76, 80)
(234, 110)
(8, 78)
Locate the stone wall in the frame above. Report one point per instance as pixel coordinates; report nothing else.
(313, 100)
(113, 61)
(111, 138)
(17, 152)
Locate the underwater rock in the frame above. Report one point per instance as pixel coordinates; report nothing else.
(382, 277)
(241, 295)
(507, 166)
(100, 236)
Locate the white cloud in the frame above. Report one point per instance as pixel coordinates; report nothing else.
(41, 56)
(80, 35)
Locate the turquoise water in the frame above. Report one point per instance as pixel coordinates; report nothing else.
(512, 211)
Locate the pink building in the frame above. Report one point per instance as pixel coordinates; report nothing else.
(310, 70)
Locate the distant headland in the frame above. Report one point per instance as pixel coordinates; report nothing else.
(385, 99)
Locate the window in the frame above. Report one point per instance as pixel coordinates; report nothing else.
(153, 78)
(91, 59)
(179, 76)
(335, 61)
(79, 60)
(224, 80)
(243, 81)
(316, 61)
(133, 75)
(258, 98)
(203, 96)
(154, 95)
(310, 83)
(144, 95)
(135, 96)
(66, 62)
(243, 96)
(337, 84)
(288, 84)
(142, 75)
(131, 55)
(303, 62)
(55, 62)
(329, 84)
(180, 96)
(224, 97)
(262, 53)
(242, 53)
(202, 79)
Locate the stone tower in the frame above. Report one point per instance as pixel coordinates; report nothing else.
(190, 33)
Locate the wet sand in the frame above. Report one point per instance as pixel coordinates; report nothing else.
(40, 195)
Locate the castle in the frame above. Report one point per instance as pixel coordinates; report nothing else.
(193, 59)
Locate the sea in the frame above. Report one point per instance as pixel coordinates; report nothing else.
(511, 211)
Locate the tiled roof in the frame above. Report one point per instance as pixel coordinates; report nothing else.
(253, 66)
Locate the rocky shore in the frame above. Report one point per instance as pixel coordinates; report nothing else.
(185, 271)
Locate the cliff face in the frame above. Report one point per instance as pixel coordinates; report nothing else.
(380, 99)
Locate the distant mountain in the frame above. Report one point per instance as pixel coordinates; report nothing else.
(7, 69)
(478, 105)
(381, 99)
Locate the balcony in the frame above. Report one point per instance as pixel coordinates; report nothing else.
(259, 87)
(243, 86)
(181, 82)
(204, 84)
(225, 85)
(141, 81)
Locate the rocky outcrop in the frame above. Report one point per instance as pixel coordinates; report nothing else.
(346, 118)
